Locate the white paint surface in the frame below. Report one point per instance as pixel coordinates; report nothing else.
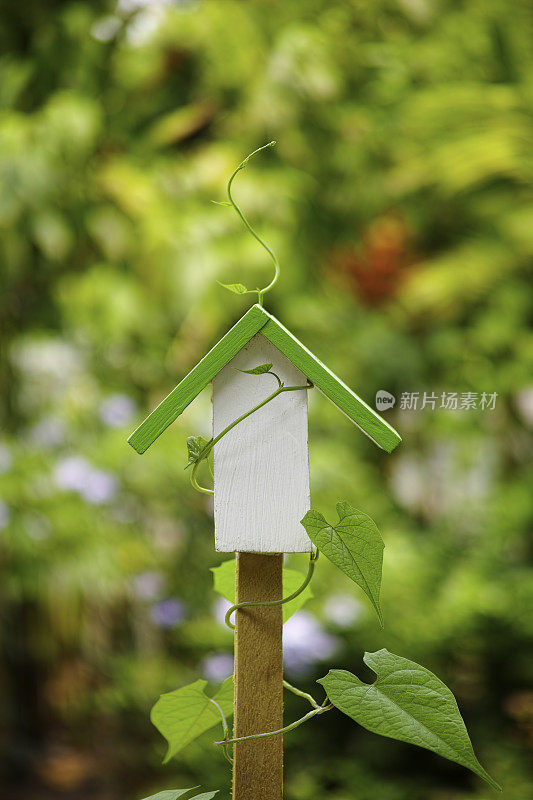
(262, 465)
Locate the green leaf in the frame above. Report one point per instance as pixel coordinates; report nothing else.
(407, 702)
(195, 446)
(221, 203)
(236, 288)
(173, 794)
(224, 579)
(205, 795)
(354, 545)
(184, 714)
(260, 370)
(170, 794)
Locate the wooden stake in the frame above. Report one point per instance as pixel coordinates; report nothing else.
(258, 764)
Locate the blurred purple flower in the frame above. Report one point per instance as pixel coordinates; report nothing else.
(48, 432)
(148, 585)
(167, 613)
(94, 485)
(99, 488)
(117, 410)
(217, 667)
(71, 473)
(342, 610)
(220, 607)
(305, 642)
(6, 459)
(4, 515)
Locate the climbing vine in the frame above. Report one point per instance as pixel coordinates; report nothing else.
(239, 288)
(406, 702)
(199, 449)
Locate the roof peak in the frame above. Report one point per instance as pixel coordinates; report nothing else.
(257, 320)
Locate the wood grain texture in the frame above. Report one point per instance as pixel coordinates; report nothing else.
(262, 465)
(258, 764)
(174, 404)
(255, 320)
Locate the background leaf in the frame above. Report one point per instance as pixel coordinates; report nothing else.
(354, 545)
(184, 714)
(224, 584)
(407, 702)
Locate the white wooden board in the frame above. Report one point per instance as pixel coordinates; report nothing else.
(261, 467)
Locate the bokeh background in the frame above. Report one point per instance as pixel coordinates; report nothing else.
(399, 200)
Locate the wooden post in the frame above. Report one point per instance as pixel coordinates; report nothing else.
(258, 764)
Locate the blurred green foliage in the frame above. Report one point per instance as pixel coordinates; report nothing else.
(400, 203)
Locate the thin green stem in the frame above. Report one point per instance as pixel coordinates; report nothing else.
(245, 415)
(195, 483)
(225, 730)
(280, 384)
(242, 165)
(268, 399)
(300, 693)
(212, 442)
(312, 561)
(315, 712)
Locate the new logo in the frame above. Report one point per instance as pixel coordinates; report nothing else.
(384, 400)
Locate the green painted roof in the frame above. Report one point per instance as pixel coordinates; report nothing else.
(254, 321)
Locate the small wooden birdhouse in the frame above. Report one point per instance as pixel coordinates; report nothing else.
(261, 467)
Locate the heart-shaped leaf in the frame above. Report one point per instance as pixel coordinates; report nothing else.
(260, 370)
(224, 579)
(195, 447)
(184, 714)
(236, 288)
(407, 702)
(353, 544)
